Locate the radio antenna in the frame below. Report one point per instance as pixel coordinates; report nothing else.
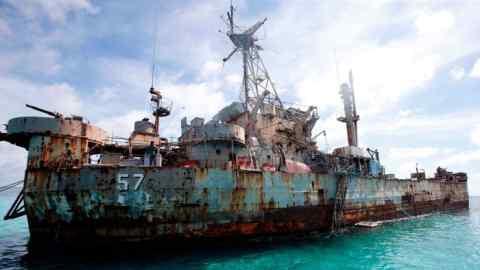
(154, 52)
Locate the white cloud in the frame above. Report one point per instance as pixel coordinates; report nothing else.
(385, 70)
(405, 113)
(457, 73)
(475, 136)
(190, 100)
(441, 125)
(129, 80)
(428, 139)
(438, 22)
(234, 79)
(16, 93)
(132, 73)
(121, 125)
(55, 10)
(403, 160)
(403, 170)
(38, 59)
(210, 68)
(462, 158)
(336, 133)
(323, 95)
(475, 72)
(189, 35)
(412, 152)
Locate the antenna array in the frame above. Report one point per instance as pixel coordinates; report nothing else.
(257, 85)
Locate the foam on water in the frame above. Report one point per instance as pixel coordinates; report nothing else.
(439, 241)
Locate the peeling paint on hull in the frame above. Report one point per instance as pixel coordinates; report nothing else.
(112, 203)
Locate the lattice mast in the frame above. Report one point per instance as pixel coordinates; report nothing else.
(351, 117)
(159, 106)
(257, 86)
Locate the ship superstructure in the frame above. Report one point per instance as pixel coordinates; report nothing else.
(253, 169)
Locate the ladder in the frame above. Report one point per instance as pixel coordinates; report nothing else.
(337, 220)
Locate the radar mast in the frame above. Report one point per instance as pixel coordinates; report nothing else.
(258, 87)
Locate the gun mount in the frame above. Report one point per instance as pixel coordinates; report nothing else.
(54, 114)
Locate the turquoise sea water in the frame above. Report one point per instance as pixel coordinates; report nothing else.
(440, 241)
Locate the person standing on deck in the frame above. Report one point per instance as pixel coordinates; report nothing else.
(151, 154)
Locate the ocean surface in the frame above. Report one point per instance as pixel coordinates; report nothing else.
(439, 241)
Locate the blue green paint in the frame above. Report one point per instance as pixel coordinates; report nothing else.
(441, 241)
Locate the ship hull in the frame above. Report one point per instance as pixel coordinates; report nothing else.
(109, 204)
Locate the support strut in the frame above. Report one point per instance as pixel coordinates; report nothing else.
(17, 209)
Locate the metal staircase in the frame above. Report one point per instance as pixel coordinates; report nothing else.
(337, 220)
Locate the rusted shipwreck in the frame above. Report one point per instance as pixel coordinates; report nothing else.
(253, 170)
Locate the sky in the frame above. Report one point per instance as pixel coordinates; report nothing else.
(416, 67)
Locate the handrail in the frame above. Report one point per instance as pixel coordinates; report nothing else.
(10, 186)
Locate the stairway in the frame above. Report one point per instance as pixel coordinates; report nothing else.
(337, 220)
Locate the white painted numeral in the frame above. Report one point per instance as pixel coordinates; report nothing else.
(139, 177)
(122, 182)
